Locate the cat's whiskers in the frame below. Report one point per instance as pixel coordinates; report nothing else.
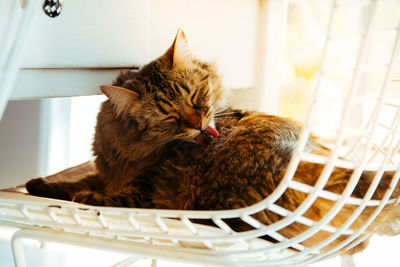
(218, 115)
(220, 110)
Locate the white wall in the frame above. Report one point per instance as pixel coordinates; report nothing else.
(19, 142)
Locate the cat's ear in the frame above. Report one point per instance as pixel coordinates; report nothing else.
(179, 53)
(123, 99)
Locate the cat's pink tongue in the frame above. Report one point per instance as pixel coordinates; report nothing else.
(212, 131)
(200, 138)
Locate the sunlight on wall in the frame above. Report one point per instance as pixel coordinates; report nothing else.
(305, 35)
(83, 120)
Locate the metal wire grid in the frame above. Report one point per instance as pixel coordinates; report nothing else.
(161, 231)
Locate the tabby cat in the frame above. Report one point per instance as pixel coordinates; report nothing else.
(164, 140)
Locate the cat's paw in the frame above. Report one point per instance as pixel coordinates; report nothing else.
(90, 198)
(39, 187)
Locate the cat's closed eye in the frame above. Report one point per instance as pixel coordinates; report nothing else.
(193, 98)
(201, 108)
(171, 119)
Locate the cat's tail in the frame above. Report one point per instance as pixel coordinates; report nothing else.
(387, 222)
(308, 173)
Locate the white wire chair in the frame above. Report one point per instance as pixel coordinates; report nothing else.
(171, 234)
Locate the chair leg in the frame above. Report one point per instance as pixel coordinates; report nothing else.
(43, 244)
(153, 263)
(18, 250)
(347, 261)
(126, 262)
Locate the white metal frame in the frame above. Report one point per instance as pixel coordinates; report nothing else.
(170, 234)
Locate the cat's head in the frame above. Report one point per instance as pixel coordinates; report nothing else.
(172, 97)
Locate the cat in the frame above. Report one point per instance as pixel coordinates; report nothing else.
(164, 139)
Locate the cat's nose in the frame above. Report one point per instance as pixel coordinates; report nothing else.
(192, 120)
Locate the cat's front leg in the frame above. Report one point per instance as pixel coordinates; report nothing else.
(97, 199)
(128, 197)
(62, 190)
(90, 198)
(42, 188)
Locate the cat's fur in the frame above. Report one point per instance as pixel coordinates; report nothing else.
(147, 157)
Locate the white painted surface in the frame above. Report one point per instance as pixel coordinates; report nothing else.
(39, 83)
(100, 33)
(91, 33)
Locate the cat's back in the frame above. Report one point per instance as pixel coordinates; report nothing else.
(248, 141)
(256, 131)
(255, 141)
(248, 159)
